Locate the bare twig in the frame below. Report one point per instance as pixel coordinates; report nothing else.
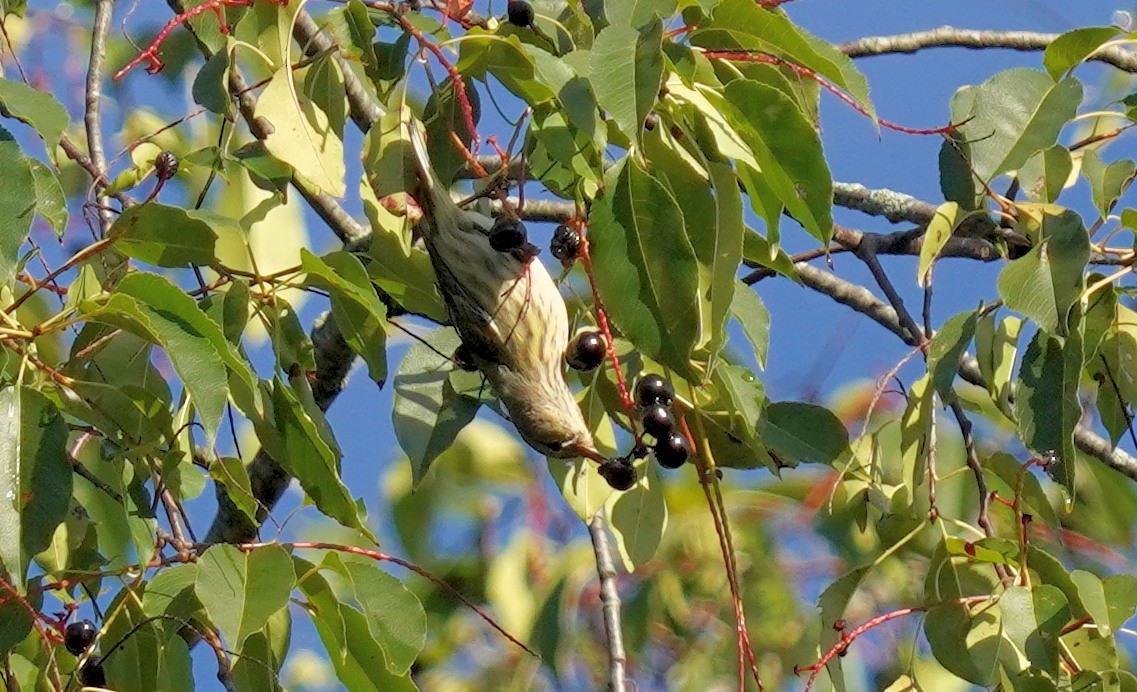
(610, 597)
(92, 117)
(952, 37)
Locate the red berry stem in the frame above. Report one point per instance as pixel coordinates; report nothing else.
(602, 322)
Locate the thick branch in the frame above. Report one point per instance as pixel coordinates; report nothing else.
(952, 37)
(92, 116)
(863, 301)
(610, 597)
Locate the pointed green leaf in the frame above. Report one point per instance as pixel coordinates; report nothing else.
(34, 107)
(164, 236)
(939, 231)
(17, 204)
(1046, 282)
(1046, 401)
(1071, 48)
(35, 477)
(51, 203)
(638, 518)
(626, 68)
(356, 308)
(804, 432)
(240, 590)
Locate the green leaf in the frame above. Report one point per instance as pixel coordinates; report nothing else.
(645, 266)
(36, 477)
(1046, 401)
(301, 134)
(1034, 499)
(240, 590)
(395, 617)
(301, 444)
(1009, 117)
(1120, 598)
(428, 413)
(17, 204)
(947, 346)
(787, 149)
(153, 308)
(1071, 48)
(1045, 174)
(967, 644)
(356, 308)
(940, 229)
(51, 203)
(164, 236)
(996, 348)
(35, 108)
(324, 88)
(804, 432)
(171, 593)
(359, 660)
(211, 85)
(625, 70)
(1046, 282)
(636, 13)
(1107, 182)
(743, 24)
(638, 518)
(444, 119)
(1033, 620)
(230, 473)
(747, 307)
(145, 656)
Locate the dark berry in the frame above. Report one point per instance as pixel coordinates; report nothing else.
(566, 243)
(520, 13)
(586, 351)
(651, 122)
(166, 165)
(92, 674)
(658, 421)
(619, 473)
(508, 234)
(672, 451)
(79, 635)
(464, 358)
(653, 389)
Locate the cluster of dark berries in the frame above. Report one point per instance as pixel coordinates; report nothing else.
(520, 13)
(566, 244)
(586, 351)
(77, 638)
(655, 395)
(509, 235)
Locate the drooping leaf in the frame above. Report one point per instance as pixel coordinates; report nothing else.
(747, 307)
(1009, 117)
(17, 204)
(164, 236)
(34, 107)
(428, 413)
(36, 485)
(51, 203)
(1107, 182)
(947, 217)
(638, 518)
(1045, 283)
(1046, 173)
(948, 344)
(302, 445)
(626, 68)
(356, 308)
(969, 644)
(1046, 401)
(645, 267)
(395, 617)
(240, 590)
(1073, 47)
(301, 135)
(804, 432)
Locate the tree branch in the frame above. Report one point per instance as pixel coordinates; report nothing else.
(92, 116)
(863, 301)
(610, 597)
(952, 37)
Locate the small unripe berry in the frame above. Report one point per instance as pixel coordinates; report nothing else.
(658, 421)
(653, 389)
(566, 243)
(166, 165)
(78, 636)
(586, 351)
(619, 473)
(672, 451)
(519, 13)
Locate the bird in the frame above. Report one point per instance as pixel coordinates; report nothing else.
(507, 310)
